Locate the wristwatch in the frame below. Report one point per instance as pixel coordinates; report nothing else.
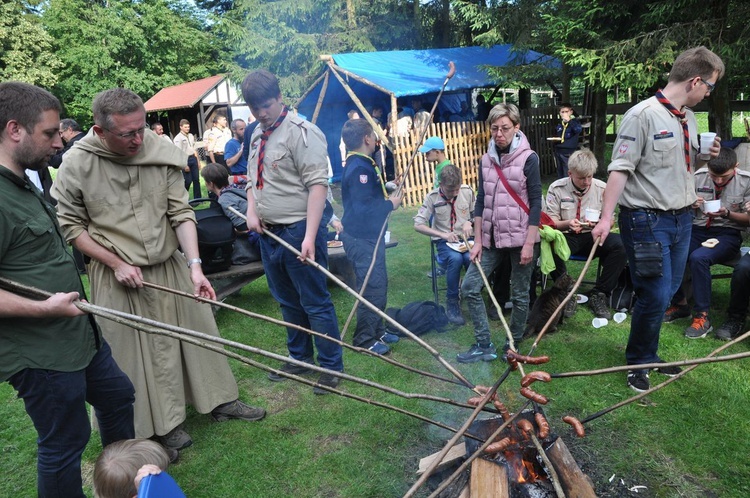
(193, 261)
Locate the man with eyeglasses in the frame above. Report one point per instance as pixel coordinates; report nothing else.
(121, 201)
(650, 175)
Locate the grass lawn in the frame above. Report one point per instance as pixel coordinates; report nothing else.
(688, 440)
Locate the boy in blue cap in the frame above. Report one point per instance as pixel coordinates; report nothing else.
(434, 152)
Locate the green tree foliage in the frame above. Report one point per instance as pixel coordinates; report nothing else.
(26, 52)
(287, 36)
(143, 46)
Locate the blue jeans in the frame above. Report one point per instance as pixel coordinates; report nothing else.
(520, 281)
(654, 293)
(453, 261)
(303, 295)
(700, 260)
(56, 403)
(370, 326)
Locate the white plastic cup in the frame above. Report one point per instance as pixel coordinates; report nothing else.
(599, 322)
(619, 317)
(387, 237)
(707, 141)
(711, 206)
(592, 215)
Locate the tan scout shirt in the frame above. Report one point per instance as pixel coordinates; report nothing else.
(734, 196)
(649, 147)
(295, 158)
(563, 203)
(186, 143)
(436, 207)
(129, 205)
(217, 139)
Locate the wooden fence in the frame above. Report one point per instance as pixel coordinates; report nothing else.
(465, 143)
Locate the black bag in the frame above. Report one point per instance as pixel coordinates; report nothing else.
(215, 236)
(419, 318)
(623, 296)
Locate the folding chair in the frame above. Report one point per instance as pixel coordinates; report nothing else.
(433, 269)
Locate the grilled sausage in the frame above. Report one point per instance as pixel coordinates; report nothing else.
(542, 425)
(532, 377)
(502, 409)
(576, 424)
(525, 426)
(498, 446)
(483, 390)
(530, 360)
(475, 401)
(526, 392)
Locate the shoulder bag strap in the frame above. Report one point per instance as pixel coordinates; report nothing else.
(509, 188)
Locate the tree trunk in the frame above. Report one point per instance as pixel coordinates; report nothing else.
(351, 20)
(599, 127)
(719, 112)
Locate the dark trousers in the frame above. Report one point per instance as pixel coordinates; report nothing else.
(561, 160)
(359, 252)
(193, 176)
(611, 255)
(56, 402)
(700, 260)
(740, 289)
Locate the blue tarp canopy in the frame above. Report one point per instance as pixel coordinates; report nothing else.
(379, 76)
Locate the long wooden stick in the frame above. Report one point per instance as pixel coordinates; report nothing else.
(668, 381)
(303, 329)
(367, 303)
(550, 468)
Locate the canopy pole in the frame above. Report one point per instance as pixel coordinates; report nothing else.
(379, 131)
(322, 95)
(304, 95)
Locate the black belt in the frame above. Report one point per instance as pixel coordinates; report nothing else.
(277, 228)
(673, 212)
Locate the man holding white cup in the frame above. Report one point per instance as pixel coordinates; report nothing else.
(650, 176)
(575, 204)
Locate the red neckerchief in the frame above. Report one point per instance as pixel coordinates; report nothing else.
(452, 204)
(262, 149)
(718, 189)
(683, 122)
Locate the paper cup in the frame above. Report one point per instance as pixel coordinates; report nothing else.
(711, 206)
(592, 215)
(599, 322)
(619, 317)
(387, 237)
(707, 140)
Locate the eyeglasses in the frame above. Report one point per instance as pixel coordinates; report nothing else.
(710, 86)
(130, 135)
(505, 129)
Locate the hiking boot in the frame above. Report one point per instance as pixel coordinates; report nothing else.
(389, 338)
(731, 329)
(327, 380)
(453, 310)
(237, 410)
(668, 371)
(570, 307)
(439, 272)
(700, 326)
(638, 381)
(477, 352)
(492, 313)
(379, 348)
(290, 369)
(599, 306)
(676, 311)
(176, 439)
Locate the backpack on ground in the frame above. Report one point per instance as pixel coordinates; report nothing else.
(215, 236)
(419, 318)
(623, 296)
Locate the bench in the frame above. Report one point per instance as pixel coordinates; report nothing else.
(229, 281)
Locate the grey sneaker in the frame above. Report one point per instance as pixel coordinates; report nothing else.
(676, 311)
(731, 329)
(176, 439)
(477, 352)
(325, 380)
(700, 327)
(290, 369)
(237, 410)
(599, 306)
(453, 310)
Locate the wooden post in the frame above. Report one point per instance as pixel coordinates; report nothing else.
(322, 96)
(575, 483)
(488, 479)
